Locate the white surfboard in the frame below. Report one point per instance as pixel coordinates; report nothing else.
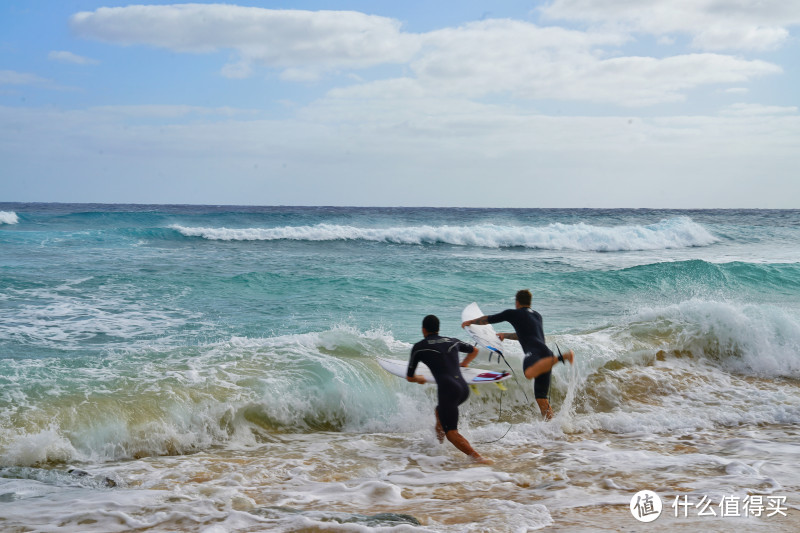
(473, 376)
(484, 336)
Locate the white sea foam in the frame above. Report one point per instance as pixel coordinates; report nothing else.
(678, 232)
(66, 316)
(232, 393)
(227, 393)
(47, 445)
(695, 365)
(8, 217)
(751, 339)
(384, 458)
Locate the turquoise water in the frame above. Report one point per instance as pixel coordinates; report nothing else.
(140, 335)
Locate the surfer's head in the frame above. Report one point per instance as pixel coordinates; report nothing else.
(430, 324)
(524, 298)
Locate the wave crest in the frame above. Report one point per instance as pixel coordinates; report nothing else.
(8, 217)
(235, 392)
(749, 339)
(678, 232)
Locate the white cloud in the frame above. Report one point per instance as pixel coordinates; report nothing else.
(289, 39)
(743, 37)
(26, 79)
(11, 77)
(754, 110)
(462, 112)
(503, 57)
(300, 75)
(238, 71)
(713, 24)
(68, 57)
(497, 57)
(506, 56)
(391, 150)
(169, 111)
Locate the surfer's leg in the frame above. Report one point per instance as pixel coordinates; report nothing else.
(541, 391)
(462, 444)
(448, 416)
(439, 429)
(536, 367)
(544, 407)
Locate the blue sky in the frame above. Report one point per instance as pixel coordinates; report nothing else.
(563, 103)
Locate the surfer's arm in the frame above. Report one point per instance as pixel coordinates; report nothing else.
(412, 367)
(482, 321)
(470, 357)
(508, 336)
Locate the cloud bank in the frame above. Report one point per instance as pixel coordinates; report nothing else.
(63, 56)
(307, 42)
(711, 24)
(503, 112)
(475, 60)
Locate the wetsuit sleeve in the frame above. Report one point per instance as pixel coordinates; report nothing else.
(499, 317)
(463, 347)
(413, 361)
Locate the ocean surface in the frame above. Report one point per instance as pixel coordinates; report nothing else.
(213, 369)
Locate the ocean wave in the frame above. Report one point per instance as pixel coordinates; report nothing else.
(77, 314)
(751, 339)
(692, 365)
(758, 340)
(697, 364)
(240, 392)
(8, 217)
(693, 278)
(677, 232)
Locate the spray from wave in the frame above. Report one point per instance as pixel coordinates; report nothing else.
(238, 392)
(690, 365)
(749, 339)
(678, 232)
(8, 217)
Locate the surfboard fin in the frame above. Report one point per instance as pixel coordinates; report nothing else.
(500, 385)
(475, 389)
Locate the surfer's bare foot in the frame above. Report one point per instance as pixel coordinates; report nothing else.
(569, 355)
(478, 458)
(439, 432)
(544, 407)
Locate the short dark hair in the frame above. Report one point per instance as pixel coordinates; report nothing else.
(431, 324)
(524, 297)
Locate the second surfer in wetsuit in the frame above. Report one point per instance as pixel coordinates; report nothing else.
(539, 359)
(440, 354)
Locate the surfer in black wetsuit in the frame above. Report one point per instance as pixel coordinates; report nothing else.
(440, 354)
(539, 360)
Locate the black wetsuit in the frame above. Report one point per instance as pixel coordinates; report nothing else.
(530, 332)
(440, 354)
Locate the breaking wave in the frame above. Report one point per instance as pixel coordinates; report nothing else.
(677, 232)
(636, 374)
(8, 217)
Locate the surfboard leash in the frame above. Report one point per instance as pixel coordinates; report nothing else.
(527, 400)
(503, 357)
(550, 383)
(499, 417)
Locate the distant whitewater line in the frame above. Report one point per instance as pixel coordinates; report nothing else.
(678, 232)
(8, 217)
